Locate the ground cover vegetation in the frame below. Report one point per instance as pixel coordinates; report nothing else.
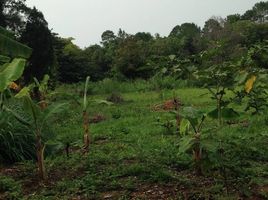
(136, 117)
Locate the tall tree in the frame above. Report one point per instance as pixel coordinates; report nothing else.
(38, 36)
(259, 13)
(146, 37)
(185, 30)
(131, 58)
(98, 63)
(2, 15)
(13, 14)
(73, 65)
(107, 37)
(187, 33)
(233, 18)
(213, 28)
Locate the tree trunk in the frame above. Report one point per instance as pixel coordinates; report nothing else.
(1, 101)
(40, 158)
(42, 103)
(178, 119)
(86, 131)
(219, 112)
(197, 155)
(197, 158)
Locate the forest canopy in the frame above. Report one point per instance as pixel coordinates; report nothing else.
(130, 56)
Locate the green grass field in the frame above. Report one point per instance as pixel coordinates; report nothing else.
(133, 156)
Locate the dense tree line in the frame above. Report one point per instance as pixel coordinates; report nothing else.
(141, 55)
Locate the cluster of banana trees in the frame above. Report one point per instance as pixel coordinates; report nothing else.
(13, 60)
(13, 56)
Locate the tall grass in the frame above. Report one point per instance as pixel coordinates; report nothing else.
(16, 141)
(108, 86)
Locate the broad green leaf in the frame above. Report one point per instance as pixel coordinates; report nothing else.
(12, 72)
(7, 33)
(50, 111)
(190, 112)
(36, 82)
(4, 59)
(44, 82)
(227, 113)
(241, 77)
(16, 115)
(3, 67)
(213, 114)
(192, 115)
(30, 107)
(184, 126)
(186, 144)
(12, 48)
(23, 92)
(43, 85)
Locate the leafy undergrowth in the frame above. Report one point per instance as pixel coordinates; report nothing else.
(135, 155)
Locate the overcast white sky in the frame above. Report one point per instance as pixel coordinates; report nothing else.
(86, 20)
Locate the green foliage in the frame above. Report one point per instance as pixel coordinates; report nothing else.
(6, 33)
(43, 85)
(10, 47)
(73, 66)
(256, 97)
(38, 117)
(229, 54)
(184, 126)
(17, 141)
(167, 124)
(130, 59)
(11, 72)
(10, 189)
(258, 13)
(218, 80)
(194, 141)
(42, 60)
(233, 156)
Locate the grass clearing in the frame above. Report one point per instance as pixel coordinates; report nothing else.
(133, 157)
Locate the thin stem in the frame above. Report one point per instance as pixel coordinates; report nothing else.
(1, 101)
(201, 123)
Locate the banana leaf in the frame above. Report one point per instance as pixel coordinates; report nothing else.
(11, 72)
(10, 47)
(7, 33)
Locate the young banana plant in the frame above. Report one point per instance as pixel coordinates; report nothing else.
(39, 118)
(41, 89)
(13, 57)
(86, 119)
(194, 119)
